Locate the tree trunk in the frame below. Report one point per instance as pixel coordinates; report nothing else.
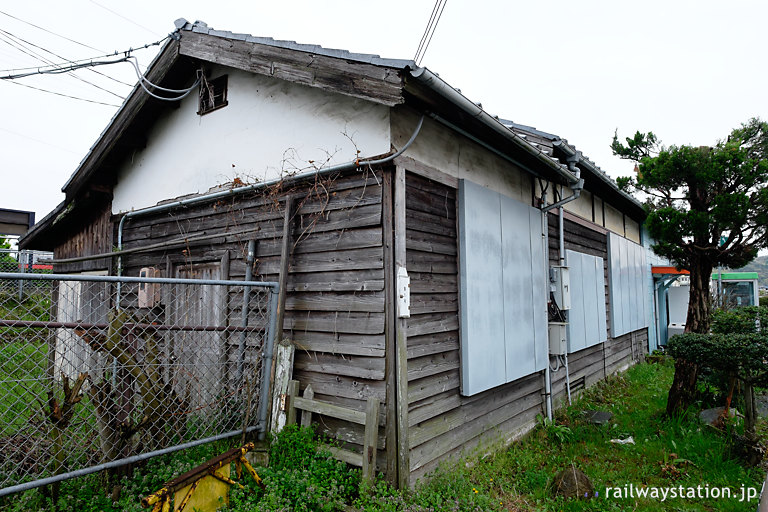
(683, 391)
(749, 411)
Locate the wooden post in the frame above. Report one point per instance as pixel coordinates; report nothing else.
(369, 443)
(284, 257)
(306, 416)
(401, 353)
(283, 371)
(293, 392)
(390, 315)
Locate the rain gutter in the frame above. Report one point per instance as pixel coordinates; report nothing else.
(439, 86)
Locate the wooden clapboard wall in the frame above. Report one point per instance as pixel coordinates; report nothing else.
(588, 366)
(335, 286)
(94, 237)
(442, 423)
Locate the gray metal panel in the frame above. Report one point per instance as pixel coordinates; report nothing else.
(626, 295)
(642, 290)
(586, 318)
(591, 304)
(627, 279)
(519, 305)
(575, 329)
(540, 280)
(483, 358)
(600, 298)
(636, 296)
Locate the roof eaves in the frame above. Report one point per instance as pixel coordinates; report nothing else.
(100, 139)
(596, 171)
(439, 86)
(376, 60)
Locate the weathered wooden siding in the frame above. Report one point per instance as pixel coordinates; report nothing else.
(94, 237)
(335, 287)
(442, 423)
(588, 366)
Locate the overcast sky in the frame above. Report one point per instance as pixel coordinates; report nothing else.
(688, 70)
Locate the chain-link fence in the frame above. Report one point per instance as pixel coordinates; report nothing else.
(99, 371)
(33, 262)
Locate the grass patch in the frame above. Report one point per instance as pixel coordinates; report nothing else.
(669, 453)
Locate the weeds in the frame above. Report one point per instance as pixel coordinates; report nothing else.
(669, 452)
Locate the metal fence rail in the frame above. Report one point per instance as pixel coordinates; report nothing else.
(100, 371)
(34, 262)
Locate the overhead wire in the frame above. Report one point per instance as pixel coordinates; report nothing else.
(429, 31)
(123, 17)
(67, 39)
(49, 62)
(64, 95)
(143, 80)
(35, 70)
(51, 32)
(424, 35)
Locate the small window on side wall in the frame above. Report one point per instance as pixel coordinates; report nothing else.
(213, 94)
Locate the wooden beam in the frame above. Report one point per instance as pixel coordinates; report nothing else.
(285, 255)
(371, 438)
(401, 326)
(378, 84)
(293, 394)
(306, 415)
(427, 171)
(390, 314)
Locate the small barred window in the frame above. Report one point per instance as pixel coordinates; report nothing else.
(213, 94)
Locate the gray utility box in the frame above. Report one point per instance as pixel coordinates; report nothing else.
(560, 286)
(558, 342)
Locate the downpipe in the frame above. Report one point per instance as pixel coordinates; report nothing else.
(576, 188)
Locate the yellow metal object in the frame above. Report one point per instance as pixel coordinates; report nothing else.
(203, 495)
(201, 488)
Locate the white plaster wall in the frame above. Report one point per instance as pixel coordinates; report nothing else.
(632, 230)
(614, 219)
(582, 206)
(457, 156)
(598, 211)
(270, 126)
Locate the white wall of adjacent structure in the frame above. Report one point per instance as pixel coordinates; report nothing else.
(270, 127)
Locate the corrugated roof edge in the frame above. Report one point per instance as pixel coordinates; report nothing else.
(201, 27)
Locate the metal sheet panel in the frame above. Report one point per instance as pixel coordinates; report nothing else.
(626, 295)
(635, 308)
(576, 316)
(518, 288)
(600, 297)
(627, 285)
(586, 319)
(540, 280)
(483, 353)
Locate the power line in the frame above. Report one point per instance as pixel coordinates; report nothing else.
(123, 17)
(39, 140)
(64, 95)
(53, 33)
(48, 61)
(429, 31)
(71, 65)
(70, 40)
(59, 69)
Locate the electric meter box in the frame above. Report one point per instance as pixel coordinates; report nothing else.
(558, 341)
(560, 285)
